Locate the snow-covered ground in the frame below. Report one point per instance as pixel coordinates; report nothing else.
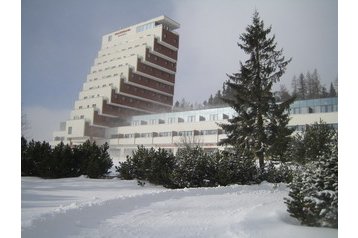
(81, 207)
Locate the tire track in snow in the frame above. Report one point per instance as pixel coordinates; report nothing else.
(71, 222)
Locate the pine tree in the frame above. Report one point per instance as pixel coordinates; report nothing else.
(210, 101)
(313, 196)
(332, 91)
(259, 117)
(302, 87)
(283, 94)
(294, 85)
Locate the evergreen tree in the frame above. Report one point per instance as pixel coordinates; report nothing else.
(313, 196)
(313, 85)
(302, 87)
(210, 101)
(332, 91)
(294, 85)
(193, 168)
(63, 162)
(316, 140)
(217, 98)
(324, 93)
(259, 118)
(283, 94)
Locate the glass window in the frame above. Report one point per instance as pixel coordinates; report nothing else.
(69, 130)
(145, 27)
(213, 117)
(185, 133)
(208, 132)
(171, 120)
(191, 118)
(165, 134)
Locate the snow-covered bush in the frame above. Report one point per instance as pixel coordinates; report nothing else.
(136, 165)
(193, 168)
(314, 142)
(236, 168)
(314, 191)
(152, 165)
(277, 173)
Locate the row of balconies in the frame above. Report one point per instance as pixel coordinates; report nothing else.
(170, 38)
(145, 93)
(165, 50)
(150, 83)
(154, 59)
(157, 73)
(138, 103)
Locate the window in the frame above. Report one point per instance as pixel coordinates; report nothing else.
(185, 133)
(146, 135)
(171, 120)
(135, 123)
(213, 117)
(209, 132)
(69, 130)
(191, 118)
(145, 27)
(164, 134)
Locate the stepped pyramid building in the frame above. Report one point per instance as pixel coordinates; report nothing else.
(133, 74)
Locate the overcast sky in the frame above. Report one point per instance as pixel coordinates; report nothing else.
(60, 40)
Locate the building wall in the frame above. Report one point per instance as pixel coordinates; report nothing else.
(133, 73)
(172, 130)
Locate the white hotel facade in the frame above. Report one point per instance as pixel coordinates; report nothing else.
(128, 95)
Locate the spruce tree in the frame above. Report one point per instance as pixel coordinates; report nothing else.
(313, 195)
(302, 87)
(259, 118)
(332, 91)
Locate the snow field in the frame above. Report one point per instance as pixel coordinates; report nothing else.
(81, 207)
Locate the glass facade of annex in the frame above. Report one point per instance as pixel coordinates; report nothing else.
(213, 114)
(321, 105)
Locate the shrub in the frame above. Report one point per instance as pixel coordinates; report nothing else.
(313, 143)
(36, 159)
(193, 168)
(62, 162)
(152, 165)
(314, 193)
(39, 159)
(277, 173)
(136, 165)
(98, 162)
(161, 167)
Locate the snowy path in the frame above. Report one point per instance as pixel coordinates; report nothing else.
(123, 209)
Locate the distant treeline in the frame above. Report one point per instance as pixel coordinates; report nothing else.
(305, 86)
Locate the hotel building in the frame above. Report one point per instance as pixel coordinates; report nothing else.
(133, 74)
(127, 98)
